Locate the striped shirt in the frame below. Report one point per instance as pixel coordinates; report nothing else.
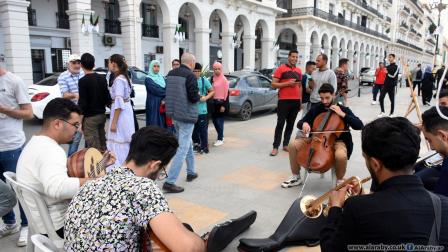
(68, 82)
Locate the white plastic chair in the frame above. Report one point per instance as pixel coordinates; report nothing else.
(42, 208)
(43, 243)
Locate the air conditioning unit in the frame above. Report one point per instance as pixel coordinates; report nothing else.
(67, 43)
(109, 40)
(159, 49)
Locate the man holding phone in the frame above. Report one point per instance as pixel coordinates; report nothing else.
(287, 78)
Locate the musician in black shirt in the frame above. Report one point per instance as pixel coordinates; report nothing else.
(400, 211)
(389, 85)
(93, 99)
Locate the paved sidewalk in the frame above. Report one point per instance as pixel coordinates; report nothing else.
(241, 176)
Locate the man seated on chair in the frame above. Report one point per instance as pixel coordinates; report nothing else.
(42, 165)
(344, 144)
(109, 213)
(400, 212)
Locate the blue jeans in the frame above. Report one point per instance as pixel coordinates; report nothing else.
(375, 89)
(218, 122)
(184, 132)
(200, 132)
(73, 147)
(8, 162)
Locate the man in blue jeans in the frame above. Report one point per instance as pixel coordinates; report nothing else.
(181, 101)
(15, 106)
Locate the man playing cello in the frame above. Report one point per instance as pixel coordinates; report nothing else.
(343, 146)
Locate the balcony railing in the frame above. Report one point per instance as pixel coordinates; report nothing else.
(112, 26)
(150, 31)
(430, 52)
(415, 2)
(368, 7)
(399, 41)
(414, 16)
(404, 25)
(62, 21)
(32, 20)
(420, 22)
(388, 19)
(406, 9)
(413, 31)
(431, 41)
(310, 11)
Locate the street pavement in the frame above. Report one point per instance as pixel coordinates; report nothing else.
(241, 176)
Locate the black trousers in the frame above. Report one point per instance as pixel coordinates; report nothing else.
(390, 90)
(287, 111)
(419, 86)
(426, 95)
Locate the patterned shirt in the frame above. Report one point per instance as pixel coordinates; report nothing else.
(108, 213)
(68, 82)
(342, 79)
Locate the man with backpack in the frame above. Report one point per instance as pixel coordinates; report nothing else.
(200, 131)
(417, 76)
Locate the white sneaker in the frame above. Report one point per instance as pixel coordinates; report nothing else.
(374, 103)
(23, 238)
(382, 114)
(218, 143)
(292, 181)
(8, 229)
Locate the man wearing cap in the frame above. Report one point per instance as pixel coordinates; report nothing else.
(15, 106)
(68, 83)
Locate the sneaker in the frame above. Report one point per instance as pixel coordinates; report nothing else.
(292, 181)
(196, 149)
(205, 151)
(218, 143)
(172, 188)
(191, 177)
(23, 238)
(382, 114)
(8, 229)
(374, 103)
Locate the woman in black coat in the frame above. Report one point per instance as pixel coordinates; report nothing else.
(427, 86)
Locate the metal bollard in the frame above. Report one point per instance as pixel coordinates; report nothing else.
(359, 91)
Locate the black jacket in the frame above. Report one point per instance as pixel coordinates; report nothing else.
(392, 75)
(399, 212)
(93, 94)
(350, 120)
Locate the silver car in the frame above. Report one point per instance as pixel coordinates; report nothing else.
(250, 92)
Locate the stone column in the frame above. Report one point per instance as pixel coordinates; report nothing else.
(362, 60)
(304, 49)
(350, 60)
(316, 51)
(267, 55)
(249, 52)
(202, 46)
(228, 52)
(344, 53)
(170, 48)
(334, 57)
(80, 42)
(327, 52)
(131, 31)
(16, 38)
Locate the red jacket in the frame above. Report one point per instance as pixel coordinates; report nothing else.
(380, 76)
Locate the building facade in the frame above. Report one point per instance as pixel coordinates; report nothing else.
(37, 36)
(364, 31)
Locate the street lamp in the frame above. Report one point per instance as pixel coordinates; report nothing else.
(436, 4)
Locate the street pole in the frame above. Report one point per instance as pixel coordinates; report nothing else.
(440, 7)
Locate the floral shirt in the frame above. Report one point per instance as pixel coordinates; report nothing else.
(342, 79)
(107, 214)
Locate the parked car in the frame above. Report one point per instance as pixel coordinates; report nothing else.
(367, 76)
(250, 92)
(47, 89)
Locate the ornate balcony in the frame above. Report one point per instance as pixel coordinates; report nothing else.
(112, 26)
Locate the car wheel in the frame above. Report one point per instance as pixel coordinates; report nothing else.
(246, 111)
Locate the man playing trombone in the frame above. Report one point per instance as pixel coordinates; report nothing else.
(400, 212)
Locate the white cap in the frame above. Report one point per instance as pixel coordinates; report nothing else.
(74, 57)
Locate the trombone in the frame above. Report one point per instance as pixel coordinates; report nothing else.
(313, 207)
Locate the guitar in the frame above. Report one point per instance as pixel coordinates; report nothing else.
(87, 163)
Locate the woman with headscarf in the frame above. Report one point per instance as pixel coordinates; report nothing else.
(220, 101)
(155, 93)
(427, 86)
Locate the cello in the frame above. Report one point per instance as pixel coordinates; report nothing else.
(317, 154)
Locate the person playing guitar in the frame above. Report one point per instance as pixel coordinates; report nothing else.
(343, 146)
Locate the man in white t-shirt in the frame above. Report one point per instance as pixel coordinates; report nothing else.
(14, 107)
(43, 163)
(320, 76)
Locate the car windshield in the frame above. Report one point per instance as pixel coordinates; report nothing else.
(49, 81)
(138, 77)
(233, 80)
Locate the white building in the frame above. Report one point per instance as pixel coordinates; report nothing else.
(364, 31)
(37, 37)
